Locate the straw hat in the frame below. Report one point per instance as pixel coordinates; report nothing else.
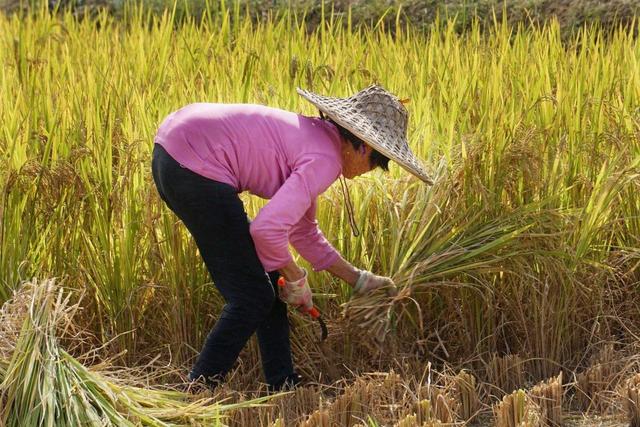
(378, 118)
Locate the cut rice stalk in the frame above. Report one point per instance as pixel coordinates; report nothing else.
(44, 385)
(473, 248)
(632, 401)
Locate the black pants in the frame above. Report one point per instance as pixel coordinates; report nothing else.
(215, 216)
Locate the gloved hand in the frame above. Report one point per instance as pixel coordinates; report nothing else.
(296, 293)
(368, 282)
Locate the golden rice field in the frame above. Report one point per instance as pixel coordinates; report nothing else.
(519, 270)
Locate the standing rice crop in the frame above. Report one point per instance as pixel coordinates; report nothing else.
(528, 245)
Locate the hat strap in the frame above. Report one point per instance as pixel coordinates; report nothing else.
(349, 204)
(346, 196)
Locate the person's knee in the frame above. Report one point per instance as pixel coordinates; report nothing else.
(262, 301)
(253, 302)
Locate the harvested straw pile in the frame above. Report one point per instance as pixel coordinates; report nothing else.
(44, 385)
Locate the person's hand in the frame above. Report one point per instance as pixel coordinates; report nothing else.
(296, 293)
(368, 282)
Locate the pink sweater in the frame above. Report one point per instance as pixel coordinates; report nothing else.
(274, 154)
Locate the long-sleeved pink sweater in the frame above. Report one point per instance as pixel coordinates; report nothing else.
(274, 154)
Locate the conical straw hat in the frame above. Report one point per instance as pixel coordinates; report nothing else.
(378, 118)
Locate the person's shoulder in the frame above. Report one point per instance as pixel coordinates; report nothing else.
(265, 109)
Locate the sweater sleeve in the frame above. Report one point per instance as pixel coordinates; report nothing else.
(271, 227)
(309, 241)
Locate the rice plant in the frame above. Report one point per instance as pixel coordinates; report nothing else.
(527, 248)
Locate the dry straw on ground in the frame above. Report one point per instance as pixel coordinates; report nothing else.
(41, 384)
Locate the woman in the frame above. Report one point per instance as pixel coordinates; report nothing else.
(205, 154)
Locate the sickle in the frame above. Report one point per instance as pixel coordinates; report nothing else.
(313, 312)
(323, 326)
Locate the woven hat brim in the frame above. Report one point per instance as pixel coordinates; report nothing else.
(410, 162)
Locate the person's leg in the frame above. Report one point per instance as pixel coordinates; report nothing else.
(215, 217)
(273, 338)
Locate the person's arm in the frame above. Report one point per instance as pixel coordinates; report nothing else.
(361, 281)
(310, 243)
(291, 272)
(345, 271)
(271, 227)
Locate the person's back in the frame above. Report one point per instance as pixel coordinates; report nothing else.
(252, 147)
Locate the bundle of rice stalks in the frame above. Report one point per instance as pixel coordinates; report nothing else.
(45, 386)
(516, 410)
(548, 396)
(469, 246)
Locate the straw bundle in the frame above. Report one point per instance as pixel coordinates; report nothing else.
(472, 247)
(375, 313)
(44, 385)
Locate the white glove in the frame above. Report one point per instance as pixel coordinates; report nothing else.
(368, 282)
(296, 293)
